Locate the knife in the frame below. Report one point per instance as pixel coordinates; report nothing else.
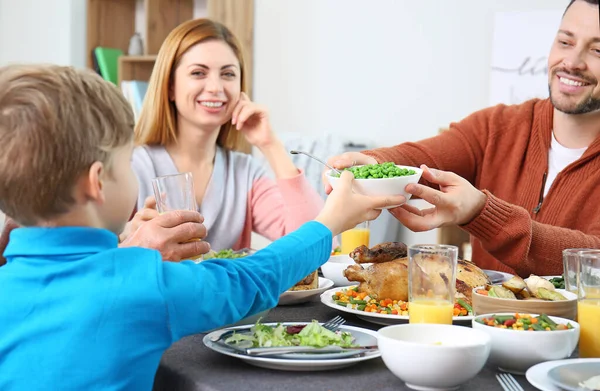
(307, 349)
(278, 350)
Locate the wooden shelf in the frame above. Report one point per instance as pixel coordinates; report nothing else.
(144, 58)
(162, 16)
(136, 67)
(111, 23)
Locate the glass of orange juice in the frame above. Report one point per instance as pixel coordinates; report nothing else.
(431, 283)
(588, 303)
(355, 237)
(175, 192)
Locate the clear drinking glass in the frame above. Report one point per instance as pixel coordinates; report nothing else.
(175, 192)
(355, 237)
(588, 304)
(571, 267)
(431, 283)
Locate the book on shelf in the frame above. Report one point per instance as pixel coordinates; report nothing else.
(106, 62)
(134, 91)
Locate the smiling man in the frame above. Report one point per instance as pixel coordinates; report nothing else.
(522, 180)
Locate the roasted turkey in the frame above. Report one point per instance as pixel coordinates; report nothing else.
(387, 277)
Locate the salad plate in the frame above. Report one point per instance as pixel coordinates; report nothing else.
(299, 361)
(377, 318)
(576, 376)
(539, 375)
(298, 297)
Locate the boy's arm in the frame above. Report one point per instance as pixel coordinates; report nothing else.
(218, 292)
(282, 206)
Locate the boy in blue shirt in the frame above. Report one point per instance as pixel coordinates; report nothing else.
(79, 313)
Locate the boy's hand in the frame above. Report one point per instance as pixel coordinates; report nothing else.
(172, 234)
(347, 159)
(345, 209)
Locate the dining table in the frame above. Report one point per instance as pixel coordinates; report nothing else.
(189, 365)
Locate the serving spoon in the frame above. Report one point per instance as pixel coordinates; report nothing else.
(315, 158)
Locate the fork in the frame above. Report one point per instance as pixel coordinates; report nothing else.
(315, 158)
(508, 382)
(334, 323)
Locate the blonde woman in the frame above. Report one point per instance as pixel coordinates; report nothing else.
(197, 118)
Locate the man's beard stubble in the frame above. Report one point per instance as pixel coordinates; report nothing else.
(589, 105)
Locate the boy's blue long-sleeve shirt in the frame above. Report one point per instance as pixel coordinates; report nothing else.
(79, 313)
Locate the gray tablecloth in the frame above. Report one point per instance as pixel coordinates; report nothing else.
(189, 365)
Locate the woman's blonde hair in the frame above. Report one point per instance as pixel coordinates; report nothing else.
(157, 124)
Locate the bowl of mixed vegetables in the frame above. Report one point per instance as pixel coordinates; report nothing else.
(522, 340)
(383, 179)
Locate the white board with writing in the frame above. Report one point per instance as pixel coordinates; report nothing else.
(521, 43)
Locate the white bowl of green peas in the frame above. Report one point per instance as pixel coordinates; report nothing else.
(384, 179)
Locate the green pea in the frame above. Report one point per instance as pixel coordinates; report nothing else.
(383, 170)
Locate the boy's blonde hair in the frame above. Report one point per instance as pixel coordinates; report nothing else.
(55, 122)
(157, 124)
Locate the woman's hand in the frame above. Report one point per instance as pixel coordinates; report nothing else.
(457, 202)
(147, 213)
(253, 121)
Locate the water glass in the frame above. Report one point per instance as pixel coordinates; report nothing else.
(355, 237)
(588, 304)
(175, 192)
(431, 283)
(571, 267)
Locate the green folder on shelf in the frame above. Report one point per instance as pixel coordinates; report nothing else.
(107, 61)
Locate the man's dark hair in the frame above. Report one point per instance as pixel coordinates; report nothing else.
(592, 2)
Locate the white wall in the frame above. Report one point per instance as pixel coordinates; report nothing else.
(394, 70)
(387, 70)
(52, 31)
(42, 31)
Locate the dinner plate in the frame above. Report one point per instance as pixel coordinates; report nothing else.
(569, 376)
(497, 277)
(298, 297)
(538, 376)
(383, 319)
(301, 361)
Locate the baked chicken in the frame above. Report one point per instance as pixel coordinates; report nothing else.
(387, 277)
(383, 252)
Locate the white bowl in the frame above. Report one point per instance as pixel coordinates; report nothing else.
(381, 186)
(433, 356)
(334, 268)
(516, 351)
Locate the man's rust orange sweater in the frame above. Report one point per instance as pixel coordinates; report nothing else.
(503, 150)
